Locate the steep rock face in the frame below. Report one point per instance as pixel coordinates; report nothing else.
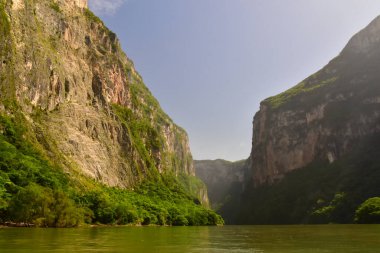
(219, 176)
(322, 117)
(89, 108)
(225, 183)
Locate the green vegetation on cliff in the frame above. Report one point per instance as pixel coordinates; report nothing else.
(304, 87)
(4, 22)
(34, 190)
(145, 130)
(55, 7)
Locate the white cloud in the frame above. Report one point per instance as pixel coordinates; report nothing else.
(105, 6)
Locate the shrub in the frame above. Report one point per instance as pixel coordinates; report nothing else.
(55, 7)
(32, 204)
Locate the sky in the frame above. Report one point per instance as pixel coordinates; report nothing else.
(210, 62)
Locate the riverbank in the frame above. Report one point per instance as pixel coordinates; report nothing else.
(17, 224)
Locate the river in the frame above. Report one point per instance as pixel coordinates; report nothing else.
(253, 239)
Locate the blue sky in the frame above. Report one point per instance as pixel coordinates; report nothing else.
(211, 62)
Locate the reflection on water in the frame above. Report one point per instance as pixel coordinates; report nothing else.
(252, 239)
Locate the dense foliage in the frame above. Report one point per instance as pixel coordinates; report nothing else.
(369, 211)
(34, 190)
(320, 192)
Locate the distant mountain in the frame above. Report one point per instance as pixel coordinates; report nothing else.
(79, 129)
(225, 182)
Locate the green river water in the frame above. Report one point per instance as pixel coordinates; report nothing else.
(256, 239)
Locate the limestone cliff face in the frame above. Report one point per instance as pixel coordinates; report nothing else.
(322, 117)
(89, 108)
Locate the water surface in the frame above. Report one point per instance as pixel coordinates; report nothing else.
(254, 239)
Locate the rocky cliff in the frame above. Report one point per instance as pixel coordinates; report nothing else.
(225, 182)
(66, 73)
(324, 116)
(220, 176)
(82, 139)
(315, 147)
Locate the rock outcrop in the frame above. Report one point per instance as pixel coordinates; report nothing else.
(88, 107)
(323, 117)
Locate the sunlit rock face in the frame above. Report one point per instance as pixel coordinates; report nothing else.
(322, 117)
(88, 105)
(81, 3)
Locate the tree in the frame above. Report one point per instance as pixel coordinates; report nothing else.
(335, 211)
(369, 211)
(32, 204)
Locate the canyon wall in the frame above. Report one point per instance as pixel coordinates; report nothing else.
(324, 116)
(87, 106)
